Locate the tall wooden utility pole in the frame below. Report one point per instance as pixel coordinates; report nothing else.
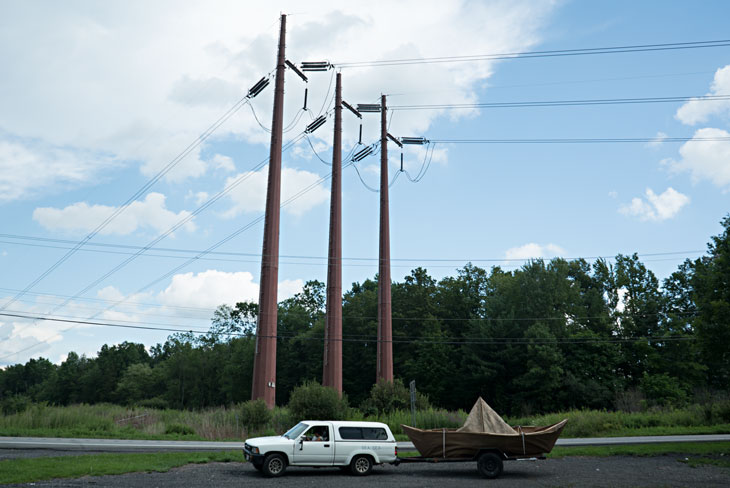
(385, 322)
(332, 366)
(264, 367)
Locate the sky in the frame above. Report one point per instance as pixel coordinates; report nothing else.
(103, 105)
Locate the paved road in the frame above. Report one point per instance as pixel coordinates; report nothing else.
(660, 471)
(121, 445)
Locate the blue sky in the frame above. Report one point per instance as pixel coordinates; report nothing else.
(96, 98)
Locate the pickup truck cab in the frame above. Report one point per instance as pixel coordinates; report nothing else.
(352, 446)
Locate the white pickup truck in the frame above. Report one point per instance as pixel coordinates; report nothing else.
(352, 446)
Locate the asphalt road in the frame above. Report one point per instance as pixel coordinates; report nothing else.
(664, 471)
(122, 445)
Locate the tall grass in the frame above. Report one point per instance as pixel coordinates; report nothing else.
(592, 423)
(114, 421)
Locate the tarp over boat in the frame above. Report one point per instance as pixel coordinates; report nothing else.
(484, 429)
(483, 419)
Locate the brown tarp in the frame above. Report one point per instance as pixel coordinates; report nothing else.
(481, 431)
(483, 419)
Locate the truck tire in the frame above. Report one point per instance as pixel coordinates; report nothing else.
(490, 465)
(274, 465)
(361, 465)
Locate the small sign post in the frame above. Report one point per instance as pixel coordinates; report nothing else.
(413, 402)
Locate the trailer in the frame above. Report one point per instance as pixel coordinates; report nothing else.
(490, 462)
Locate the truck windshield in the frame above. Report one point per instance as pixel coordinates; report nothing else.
(294, 432)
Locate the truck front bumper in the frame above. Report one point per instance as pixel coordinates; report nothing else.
(255, 459)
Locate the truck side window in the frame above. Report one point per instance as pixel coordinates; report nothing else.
(318, 433)
(363, 433)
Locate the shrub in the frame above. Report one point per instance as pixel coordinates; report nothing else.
(179, 429)
(316, 402)
(14, 404)
(157, 402)
(255, 414)
(663, 390)
(389, 396)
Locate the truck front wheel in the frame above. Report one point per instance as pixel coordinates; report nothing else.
(274, 465)
(361, 465)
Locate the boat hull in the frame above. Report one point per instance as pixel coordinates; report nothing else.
(448, 443)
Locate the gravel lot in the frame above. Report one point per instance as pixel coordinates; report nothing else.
(574, 471)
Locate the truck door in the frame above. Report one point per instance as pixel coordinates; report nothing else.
(316, 447)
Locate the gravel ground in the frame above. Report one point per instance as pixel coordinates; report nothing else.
(572, 471)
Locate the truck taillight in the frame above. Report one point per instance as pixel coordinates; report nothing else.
(396, 450)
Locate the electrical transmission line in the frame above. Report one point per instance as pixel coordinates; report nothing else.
(562, 103)
(405, 340)
(672, 46)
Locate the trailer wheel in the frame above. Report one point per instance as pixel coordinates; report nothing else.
(361, 465)
(490, 465)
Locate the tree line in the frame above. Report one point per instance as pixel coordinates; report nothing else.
(548, 336)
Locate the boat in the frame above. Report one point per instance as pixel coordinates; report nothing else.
(484, 430)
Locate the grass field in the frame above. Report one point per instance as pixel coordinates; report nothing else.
(114, 421)
(46, 468)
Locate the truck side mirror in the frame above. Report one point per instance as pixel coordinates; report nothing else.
(301, 443)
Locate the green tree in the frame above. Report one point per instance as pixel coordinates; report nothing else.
(711, 292)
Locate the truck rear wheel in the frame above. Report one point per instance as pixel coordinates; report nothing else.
(490, 465)
(361, 465)
(274, 465)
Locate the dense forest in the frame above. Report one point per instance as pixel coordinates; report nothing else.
(548, 336)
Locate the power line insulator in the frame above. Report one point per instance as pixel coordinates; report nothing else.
(362, 154)
(394, 139)
(316, 124)
(414, 140)
(258, 87)
(296, 70)
(351, 109)
(368, 107)
(316, 66)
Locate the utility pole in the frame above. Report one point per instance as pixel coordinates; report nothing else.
(264, 368)
(332, 366)
(385, 322)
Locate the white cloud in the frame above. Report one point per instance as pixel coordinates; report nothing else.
(212, 288)
(657, 141)
(706, 160)
(198, 197)
(112, 79)
(29, 167)
(533, 251)
(696, 111)
(250, 195)
(656, 207)
(289, 288)
(149, 213)
(223, 162)
(209, 289)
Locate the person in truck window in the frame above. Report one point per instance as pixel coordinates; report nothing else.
(319, 434)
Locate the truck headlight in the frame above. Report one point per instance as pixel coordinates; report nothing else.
(255, 450)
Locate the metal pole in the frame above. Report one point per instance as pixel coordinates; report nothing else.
(385, 327)
(332, 366)
(264, 368)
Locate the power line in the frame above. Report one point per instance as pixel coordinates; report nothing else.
(324, 258)
(178, 225)
(448, 341)
(189, 261)
(590, 140)
(562, 103)
(142, 190)
(539, 54)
